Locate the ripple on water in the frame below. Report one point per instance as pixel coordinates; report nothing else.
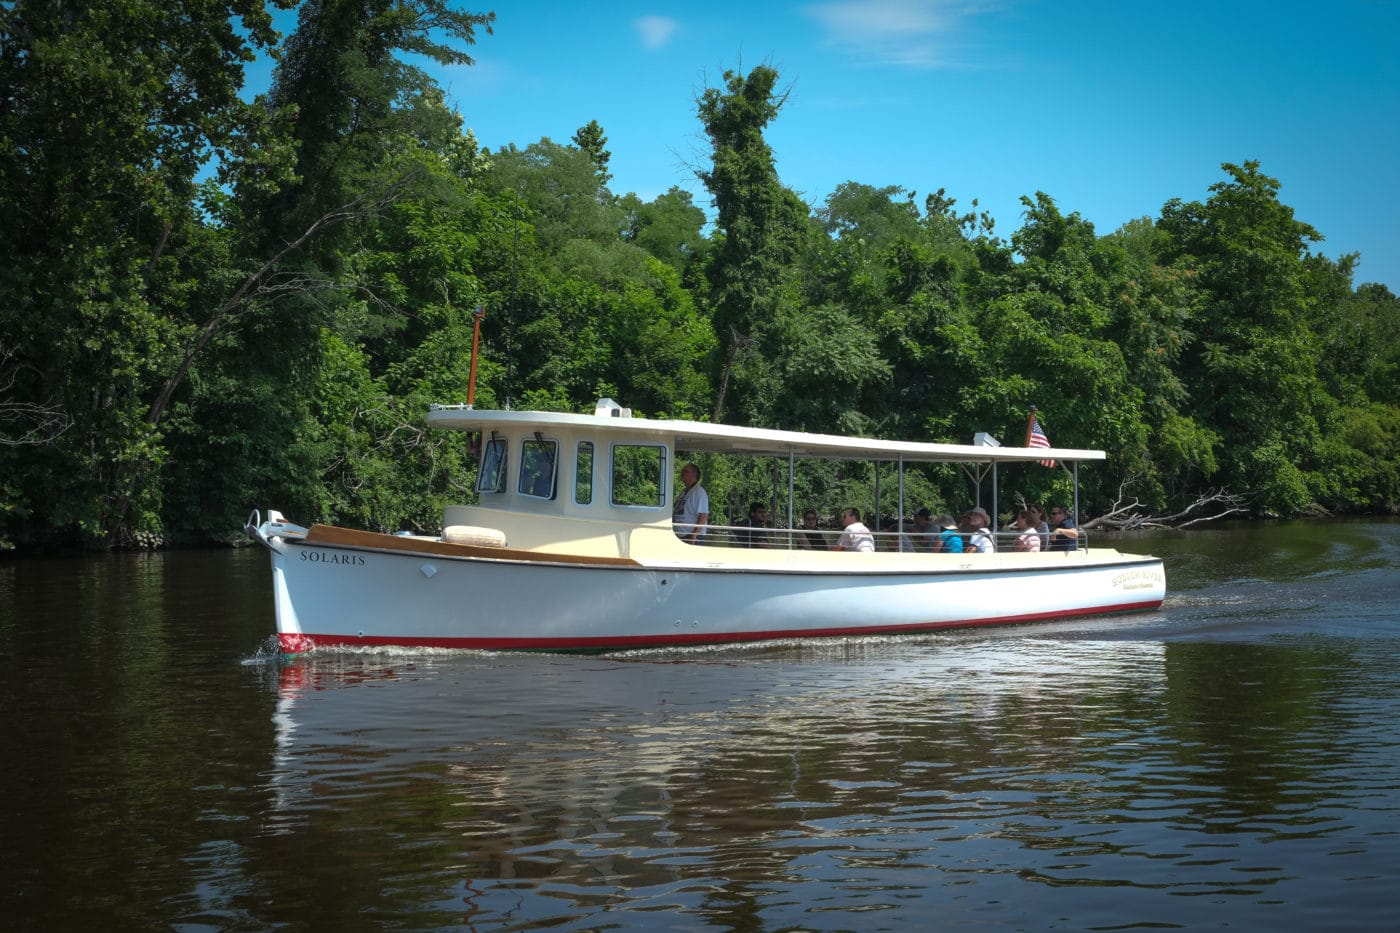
(1230, 760)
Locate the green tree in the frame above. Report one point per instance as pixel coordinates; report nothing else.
(591, 140)
(1044, 332)
(585, 310)
(876, 216)
(368, 133)
(111, 112)
(671, 228)
(567, 204)
(762, 226)
(352, 100)
(1252, 372)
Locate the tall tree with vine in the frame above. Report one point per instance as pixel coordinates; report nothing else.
(761, 223)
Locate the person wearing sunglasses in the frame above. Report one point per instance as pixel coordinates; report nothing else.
(1064, 532)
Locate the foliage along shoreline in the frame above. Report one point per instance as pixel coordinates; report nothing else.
(178, 347)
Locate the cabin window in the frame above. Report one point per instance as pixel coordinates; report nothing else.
(537, 467)
(638, 475)
(583, 473)
(492, 475)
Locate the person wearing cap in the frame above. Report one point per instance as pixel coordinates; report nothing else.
(948, 540)
(980, 540)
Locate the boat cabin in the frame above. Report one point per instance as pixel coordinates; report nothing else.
(574, 482)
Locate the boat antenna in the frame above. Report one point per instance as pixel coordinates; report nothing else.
(476, 341)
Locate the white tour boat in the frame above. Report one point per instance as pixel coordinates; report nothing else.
(571, 548)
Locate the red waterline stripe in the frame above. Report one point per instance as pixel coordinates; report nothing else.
(295, 644)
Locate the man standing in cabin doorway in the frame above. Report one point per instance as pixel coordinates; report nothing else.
(692, 511)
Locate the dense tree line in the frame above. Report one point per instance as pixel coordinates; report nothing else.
(209, 303)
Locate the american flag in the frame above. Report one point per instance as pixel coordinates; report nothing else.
(1038, 439)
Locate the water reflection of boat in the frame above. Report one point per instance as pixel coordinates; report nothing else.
(352, 725)
(574, 548)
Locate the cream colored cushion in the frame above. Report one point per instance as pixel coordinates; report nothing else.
(474, 534)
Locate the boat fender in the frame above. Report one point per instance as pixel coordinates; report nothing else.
(473, 534)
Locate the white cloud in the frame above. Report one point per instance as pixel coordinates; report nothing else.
(909, 33)
(655, 31)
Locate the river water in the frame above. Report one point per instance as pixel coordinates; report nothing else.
(1232, 761)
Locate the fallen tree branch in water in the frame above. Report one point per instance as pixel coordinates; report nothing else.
(1212, 505)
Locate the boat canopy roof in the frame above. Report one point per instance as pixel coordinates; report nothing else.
(700, 436)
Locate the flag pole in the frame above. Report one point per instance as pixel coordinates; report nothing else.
(476, 339)
(1030, 421)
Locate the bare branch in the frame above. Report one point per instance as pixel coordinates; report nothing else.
(26, 422)
(1209, 506)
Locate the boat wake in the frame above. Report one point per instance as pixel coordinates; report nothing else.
(267, 653)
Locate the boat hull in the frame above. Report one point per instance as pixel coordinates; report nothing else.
(330, 595)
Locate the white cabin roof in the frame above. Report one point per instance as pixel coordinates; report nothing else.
(727, 438)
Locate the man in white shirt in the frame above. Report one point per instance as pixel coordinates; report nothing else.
(856, 536)
(692, 510)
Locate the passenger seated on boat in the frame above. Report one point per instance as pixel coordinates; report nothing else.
(948, 541)
(692, 510)
(758, 518)
(897, 539)
(1041, 525)
(923, 533)
(1064, 532)
(855, 537)
(809, 538)
(1029, 538)
(979, 539)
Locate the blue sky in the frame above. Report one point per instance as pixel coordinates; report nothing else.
(1111, 108)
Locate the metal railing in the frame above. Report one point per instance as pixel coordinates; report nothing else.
(907, 541)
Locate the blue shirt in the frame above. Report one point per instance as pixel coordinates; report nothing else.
(1059, 542)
